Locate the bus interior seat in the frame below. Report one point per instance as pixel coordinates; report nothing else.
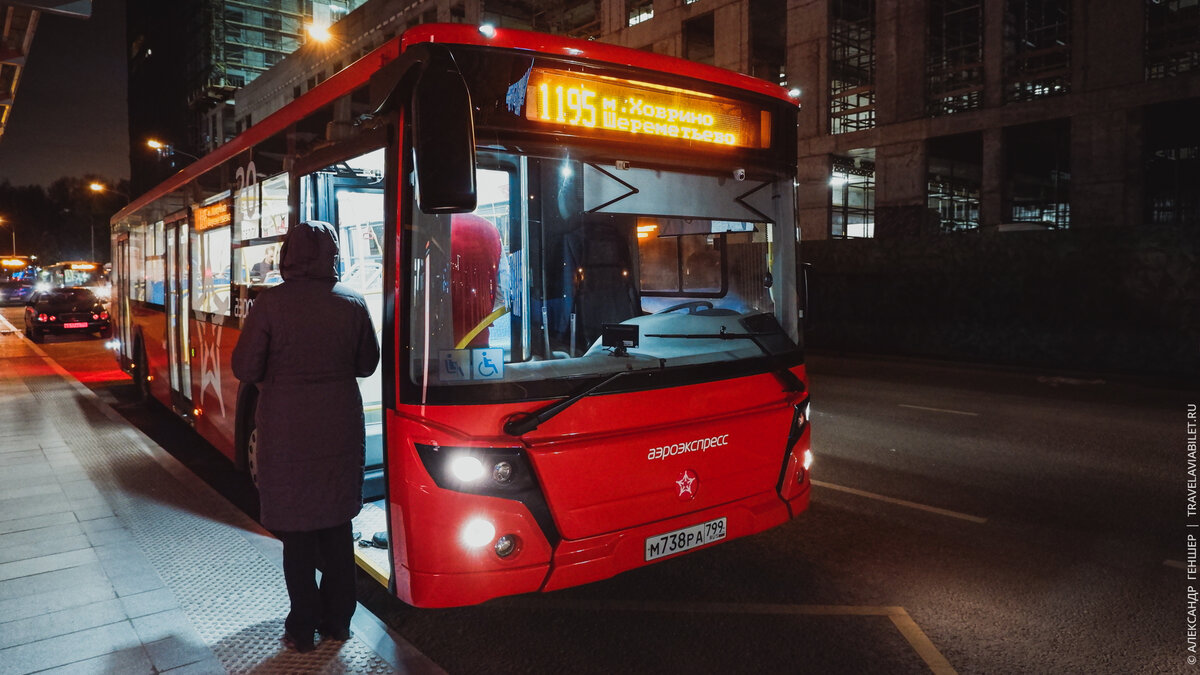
(605, 289)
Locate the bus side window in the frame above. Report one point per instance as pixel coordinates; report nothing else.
(257, 265)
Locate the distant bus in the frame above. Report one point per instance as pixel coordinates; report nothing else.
(16, 267)
(581, 261)
(93, 275)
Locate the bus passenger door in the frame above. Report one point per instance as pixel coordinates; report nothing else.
(118, 302)
(349, 195)
(177, 303)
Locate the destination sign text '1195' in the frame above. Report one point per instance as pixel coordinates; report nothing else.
(611, 106)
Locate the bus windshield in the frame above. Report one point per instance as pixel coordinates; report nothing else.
(570, 269)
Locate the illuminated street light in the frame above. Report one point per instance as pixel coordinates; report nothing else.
(101, 187)
(167, 150)
(318, 32)
(98, 188)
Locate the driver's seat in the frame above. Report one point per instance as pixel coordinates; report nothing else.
(605, 291)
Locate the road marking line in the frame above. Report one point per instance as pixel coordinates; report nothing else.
(900, 618)
(1175, 563)
(901, 502)
(941, 410)
(921, 643)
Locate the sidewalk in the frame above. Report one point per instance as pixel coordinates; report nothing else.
(114, 558)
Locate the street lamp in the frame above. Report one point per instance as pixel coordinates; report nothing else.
(101, 187)
(167, 150)
(98, 187)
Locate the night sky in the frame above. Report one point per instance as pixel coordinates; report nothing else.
(69, 114)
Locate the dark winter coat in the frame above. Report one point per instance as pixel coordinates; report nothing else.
(303, 343)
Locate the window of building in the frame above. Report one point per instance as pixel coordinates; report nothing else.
(1037, 49)
(699, 39)
(1172, 37)
(1039, 173)
(851, 65)
(637, 11)
(955, 64)
(768, 40)
(1172, 147)
(955, 180)
(852, 191)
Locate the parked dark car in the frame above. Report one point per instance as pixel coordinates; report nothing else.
(65, 310)
(15, 291)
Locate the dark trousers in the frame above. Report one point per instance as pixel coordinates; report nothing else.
(330, 605)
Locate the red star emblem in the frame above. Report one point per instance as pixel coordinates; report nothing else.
(687, 484)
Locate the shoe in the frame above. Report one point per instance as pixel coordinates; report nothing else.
(335, 634)
(299, 644)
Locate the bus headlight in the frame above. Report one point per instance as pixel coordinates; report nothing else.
(466, 468)
(505, 473)
(477, 533)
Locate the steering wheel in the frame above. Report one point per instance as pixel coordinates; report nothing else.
(691, 306)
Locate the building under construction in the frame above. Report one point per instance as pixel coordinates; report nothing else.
(188, 57)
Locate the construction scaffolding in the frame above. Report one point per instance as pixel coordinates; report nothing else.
(1037, 49)
(852, 198)
(851, 65)
(1172, 37)
(955, 64)
(955, 201)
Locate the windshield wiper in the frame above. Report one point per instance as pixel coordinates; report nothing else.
(785, 376)
(521, 424)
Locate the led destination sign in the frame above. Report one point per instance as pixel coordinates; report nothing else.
(623, 107)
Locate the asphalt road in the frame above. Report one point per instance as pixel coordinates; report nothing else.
(964, 520)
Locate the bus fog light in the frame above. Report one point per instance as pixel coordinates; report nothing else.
(502, 472)
(808, 459)
(466, 468)
(506, 545)
(477, 533)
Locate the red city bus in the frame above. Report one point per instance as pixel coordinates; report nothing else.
(582, 263)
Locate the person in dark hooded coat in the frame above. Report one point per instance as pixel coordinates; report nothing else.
(303, 343)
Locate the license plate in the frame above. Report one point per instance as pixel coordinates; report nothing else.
(663, 545)
(76, 324)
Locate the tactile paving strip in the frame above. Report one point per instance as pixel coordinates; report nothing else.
(233, 595)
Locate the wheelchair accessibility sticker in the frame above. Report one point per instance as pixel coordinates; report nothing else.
(487, 364)
(471, 364)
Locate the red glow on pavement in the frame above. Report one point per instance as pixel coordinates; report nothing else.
(100, 376)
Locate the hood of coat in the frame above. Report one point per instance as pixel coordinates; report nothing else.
(309, 252)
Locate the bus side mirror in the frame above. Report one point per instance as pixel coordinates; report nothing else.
(443, 139)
